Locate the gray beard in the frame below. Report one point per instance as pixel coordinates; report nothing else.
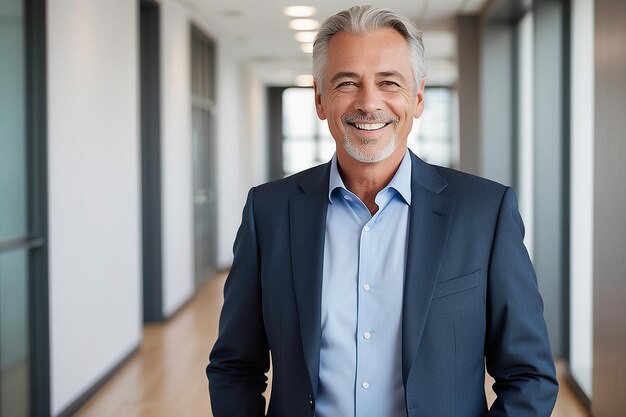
(361, 154)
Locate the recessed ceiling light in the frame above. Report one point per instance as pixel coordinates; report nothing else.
(304, 80)
(304, 24)
(307, 47)
(307, 36)
(299, 11)
(231, 13)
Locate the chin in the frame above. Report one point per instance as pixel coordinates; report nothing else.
(367, 152)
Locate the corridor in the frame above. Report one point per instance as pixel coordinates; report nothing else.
(131, 131)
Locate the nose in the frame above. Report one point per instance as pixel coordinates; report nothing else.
(368, 98)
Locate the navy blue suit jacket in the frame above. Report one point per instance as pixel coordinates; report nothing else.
(470, 298)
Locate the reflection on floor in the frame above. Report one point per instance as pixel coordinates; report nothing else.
(166, 377)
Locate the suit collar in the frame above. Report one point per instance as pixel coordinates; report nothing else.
(317, 176)
(426, 176)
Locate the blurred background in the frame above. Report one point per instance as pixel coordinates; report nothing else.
(131, 130)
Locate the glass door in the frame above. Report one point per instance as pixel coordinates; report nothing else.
(203, 125)
(14, 283)
(24, 359)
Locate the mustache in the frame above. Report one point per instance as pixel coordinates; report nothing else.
(361, 117)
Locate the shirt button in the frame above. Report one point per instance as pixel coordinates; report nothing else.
(366, 287)
(365, 385)
(366, 228)
(367, 335)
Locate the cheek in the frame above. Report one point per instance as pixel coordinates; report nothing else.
(400, 104)
(408, 109)
(339, 103)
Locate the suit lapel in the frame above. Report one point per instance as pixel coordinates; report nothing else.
(308, 228)
(429, 223)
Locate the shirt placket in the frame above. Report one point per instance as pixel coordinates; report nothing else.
(366, 384)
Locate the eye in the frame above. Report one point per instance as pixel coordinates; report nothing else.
(346, 84)
(388, 83)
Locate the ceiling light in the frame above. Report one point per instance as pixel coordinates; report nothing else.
(299, 11)
(307, 36)
(304, 24)
(307, 47)
(231, 13)
(304, 80)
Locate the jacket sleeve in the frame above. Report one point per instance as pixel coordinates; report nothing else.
(240, 356)
(517, 349)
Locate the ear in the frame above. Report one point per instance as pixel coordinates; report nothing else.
(419, 103)
(319, 109)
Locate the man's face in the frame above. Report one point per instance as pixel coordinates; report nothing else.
(369, 95)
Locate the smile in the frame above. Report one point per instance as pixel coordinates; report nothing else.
(369, 126)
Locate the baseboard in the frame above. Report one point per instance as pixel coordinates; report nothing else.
(578, 391)
(77, 404)
(177, 310)
(181, 307)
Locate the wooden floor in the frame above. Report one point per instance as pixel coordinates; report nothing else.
(166, 377)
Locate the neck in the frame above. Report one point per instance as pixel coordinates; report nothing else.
(366, 180)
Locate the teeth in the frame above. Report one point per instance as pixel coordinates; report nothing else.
(369, 126)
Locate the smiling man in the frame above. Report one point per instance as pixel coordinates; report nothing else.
(381, 285)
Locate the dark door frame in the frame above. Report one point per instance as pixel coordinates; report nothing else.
(275, 131)
(149, 29)
(37, 241)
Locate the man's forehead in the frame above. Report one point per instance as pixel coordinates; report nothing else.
(381, 51)
(384, 41)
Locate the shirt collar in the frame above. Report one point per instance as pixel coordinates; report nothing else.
(401, 181)
(335, 179)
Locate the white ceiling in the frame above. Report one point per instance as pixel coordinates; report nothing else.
(258, 32)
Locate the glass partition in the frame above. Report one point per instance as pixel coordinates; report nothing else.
(14, 233)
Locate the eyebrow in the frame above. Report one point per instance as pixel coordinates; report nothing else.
(354, 75)
(343, 74)
(386, 74)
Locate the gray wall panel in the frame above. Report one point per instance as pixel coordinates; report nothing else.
(468, 38)
(497, 105)
(609, 253)
(549, 198)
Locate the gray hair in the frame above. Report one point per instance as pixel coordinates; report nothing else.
(362, 20)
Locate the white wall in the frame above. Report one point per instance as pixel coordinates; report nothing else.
(525, 128)
(581, 194)
(231, 153)
(256, 136)
(176, 157)
(94, 206)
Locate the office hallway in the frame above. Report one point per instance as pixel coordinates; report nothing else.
(165, 378)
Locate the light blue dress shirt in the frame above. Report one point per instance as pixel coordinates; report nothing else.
(364, 263)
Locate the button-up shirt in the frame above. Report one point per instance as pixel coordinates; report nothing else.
(361, 312)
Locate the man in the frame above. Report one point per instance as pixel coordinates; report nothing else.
(380, 284)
